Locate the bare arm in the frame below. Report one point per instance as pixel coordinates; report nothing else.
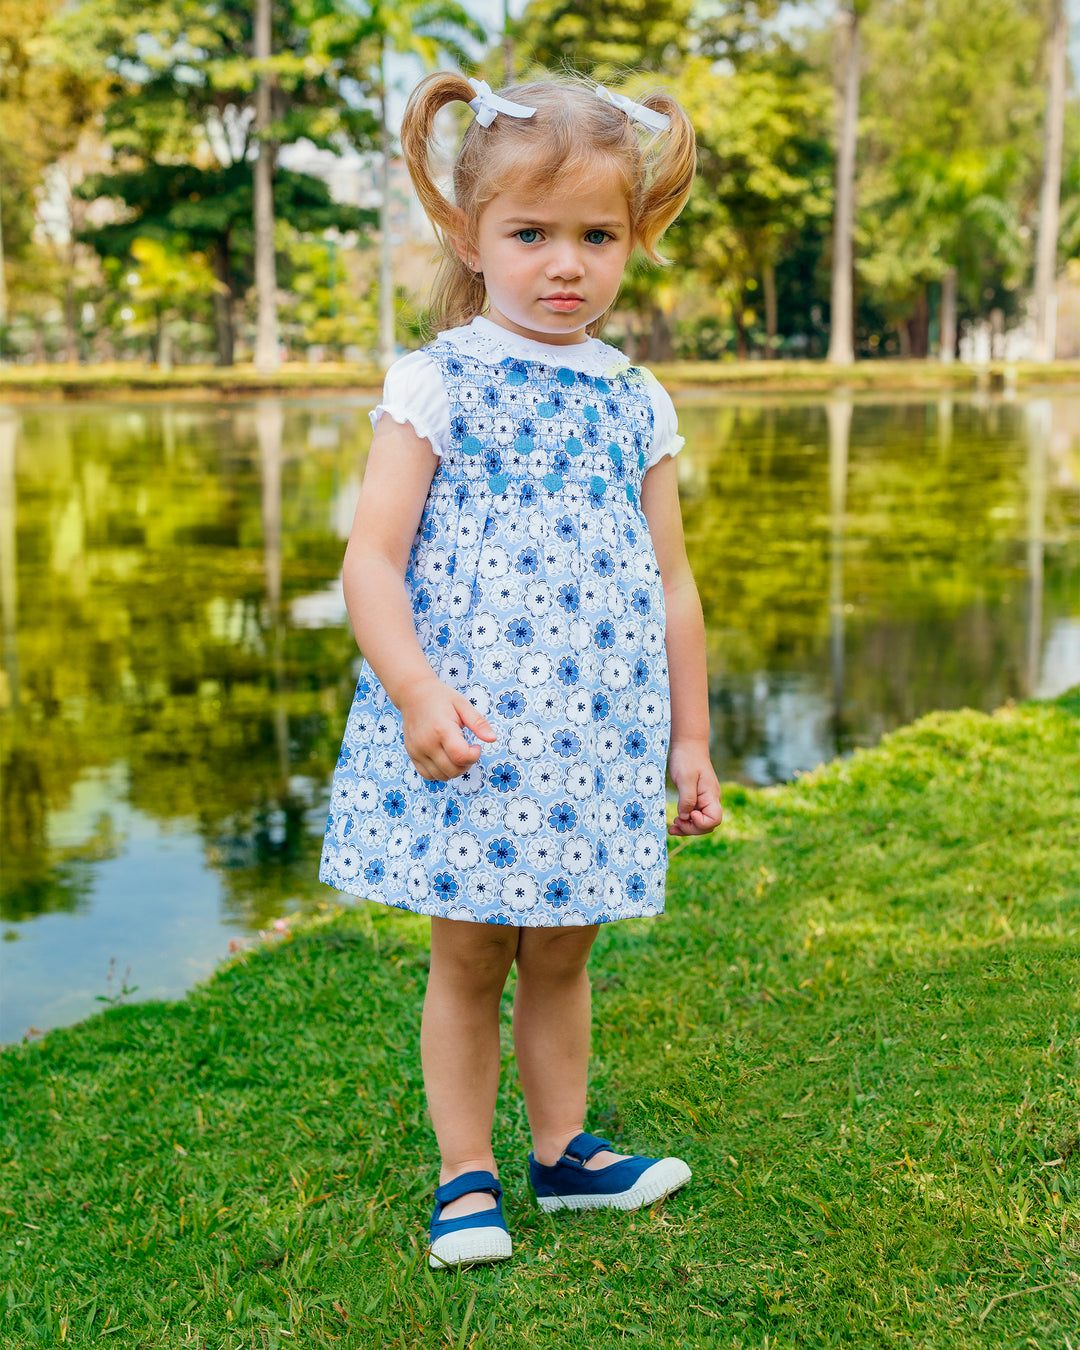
(699, 809)
(399, 471)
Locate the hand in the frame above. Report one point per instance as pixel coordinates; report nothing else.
(433, 716)
(699, 810)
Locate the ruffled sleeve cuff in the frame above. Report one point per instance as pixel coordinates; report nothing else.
(666, 439)
(414, 393)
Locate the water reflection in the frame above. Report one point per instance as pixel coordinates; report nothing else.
(177, 663)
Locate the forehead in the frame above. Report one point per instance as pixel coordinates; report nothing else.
(600, 201)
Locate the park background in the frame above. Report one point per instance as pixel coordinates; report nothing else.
(859, 1018)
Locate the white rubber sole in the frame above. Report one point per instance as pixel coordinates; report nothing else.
(655, 1182)
(470, 1247)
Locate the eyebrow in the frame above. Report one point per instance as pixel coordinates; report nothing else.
(535, 223)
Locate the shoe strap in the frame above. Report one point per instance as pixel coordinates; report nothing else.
(465, 1185)
(584, 1146)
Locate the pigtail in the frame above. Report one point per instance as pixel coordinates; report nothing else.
(458, 293)
(670, 162)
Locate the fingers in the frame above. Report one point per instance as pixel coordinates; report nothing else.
(474, 719)
(699, 810)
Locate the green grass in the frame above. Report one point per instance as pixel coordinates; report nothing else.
(859, 1022)
(127, 379)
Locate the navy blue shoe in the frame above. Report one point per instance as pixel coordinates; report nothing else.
(473, 1237)
(621, 1185)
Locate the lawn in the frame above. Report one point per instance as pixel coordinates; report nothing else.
(859, 1022)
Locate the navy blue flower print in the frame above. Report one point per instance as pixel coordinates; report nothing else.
(604, 634)
(635, 886)
(640, 675)
(520, 632)
(557, 893)
(445, 886)
(374, 871)
(569, 597)
(562, 817)
(452, 812)
(511, 704)
(565, 743)
(528, 561)
(601, 706)
(639, 601)
(633, 815)
(502, 853)
(420, 846)
(566, 529)
(394, 804)
(503, 777)
(568, 670)
(636, 744)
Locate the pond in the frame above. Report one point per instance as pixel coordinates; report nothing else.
(178, 666)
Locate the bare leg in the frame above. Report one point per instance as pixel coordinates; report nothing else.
(552, 1021)
(459, 1046)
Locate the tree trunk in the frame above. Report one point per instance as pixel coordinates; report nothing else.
(164, 346)
(3, 285)
(71, 326)
(659, 344)
(768, 282)
(223, 303)
(948, 317)
(918, 327)
(507, 45)
(1050, 196)
(266, 324)
(741, 350)
(842, 324)
(387, 335)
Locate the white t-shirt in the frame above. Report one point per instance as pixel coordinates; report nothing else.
(413, 390)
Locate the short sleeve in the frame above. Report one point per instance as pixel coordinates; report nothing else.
(666, 439)
(413, 392)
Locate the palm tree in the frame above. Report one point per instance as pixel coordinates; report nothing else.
(842, 322)
(266, 326)
(1050, 195)
(430, 30)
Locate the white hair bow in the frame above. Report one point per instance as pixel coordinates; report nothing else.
(486, 104)
(655, 121)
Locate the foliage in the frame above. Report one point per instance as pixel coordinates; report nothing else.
(857, 1022)
(603, 37)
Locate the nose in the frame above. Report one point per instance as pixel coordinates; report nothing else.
(565, 263)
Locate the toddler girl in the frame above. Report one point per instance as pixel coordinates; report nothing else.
(517, 581)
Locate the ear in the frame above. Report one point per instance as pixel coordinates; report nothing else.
(461, 243)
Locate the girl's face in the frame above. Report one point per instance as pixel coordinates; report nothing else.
(552, 266)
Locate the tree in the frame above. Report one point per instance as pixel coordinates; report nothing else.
(842, 314)
(183, 104)
(597, 36)
(1050, 194)
(266, 325)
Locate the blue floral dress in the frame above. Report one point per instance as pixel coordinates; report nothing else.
(536, 593)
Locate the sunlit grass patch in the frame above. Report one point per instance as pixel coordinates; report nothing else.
(859, 1022)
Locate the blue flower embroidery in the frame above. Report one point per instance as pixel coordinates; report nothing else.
(562, 817)
(502, 853)
(519, 632)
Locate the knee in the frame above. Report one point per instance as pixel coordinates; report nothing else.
(558, 954)
(481, 959)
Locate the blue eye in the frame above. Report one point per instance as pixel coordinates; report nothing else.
(529, 236)
(597, 237)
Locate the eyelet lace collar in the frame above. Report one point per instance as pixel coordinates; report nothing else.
(490, 343)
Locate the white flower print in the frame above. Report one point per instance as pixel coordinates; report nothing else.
(574, 918)
(485, 630)
(472, 780)
(616, 601)
(590, 666)
(544, 779)
(366, 795)
(520, 892)
(462, 913)
(373, 833)
(347, 864)
(652, 638)
(484, 813)
(579, 782)
(543, 853)
(526, 741)
(615, 672)
(534, 670)
(396, 875)
(648, 780)
(522, 815)
(588, 817)
(479, 695)
(580, 635)
(494, 561)
(498, 666)
(613, 890)
(418, 882)
(484, 888)
(386, 730)
(608, 745)
(621, 850)
(626, 706)
(576, 856)
(651, 708)
(609, 530)
(538, 598)
(462, 850)
(538, 525)
(591, 891)
(468, 531)
(360, 727)
(646, 851)
(425, 633)
(578, 707)
(398, 843)
(454, 669)
(460, 599)
(621, 782)
(547, 705)
(431, 564)
(554, 632)
(607, 816)
(389, 763)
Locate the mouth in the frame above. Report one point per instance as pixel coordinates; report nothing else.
(564, 301)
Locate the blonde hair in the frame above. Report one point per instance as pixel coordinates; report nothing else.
(573, 135)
